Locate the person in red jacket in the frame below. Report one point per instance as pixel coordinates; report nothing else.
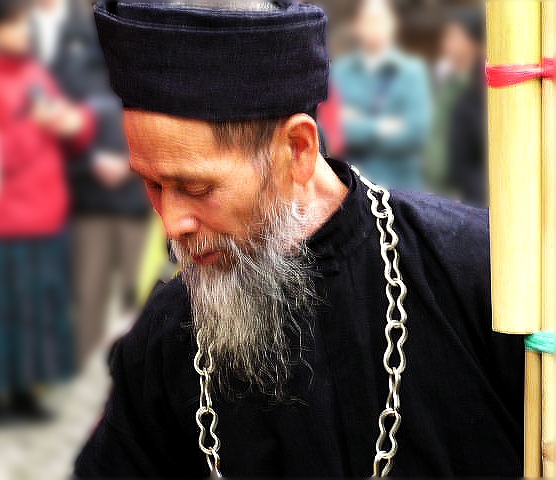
(36, 126)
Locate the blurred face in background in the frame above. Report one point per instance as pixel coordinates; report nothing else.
(48, 4)
(459, 49)
(375, 26)
(15, 33)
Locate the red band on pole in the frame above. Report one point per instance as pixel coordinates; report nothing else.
(507, 75)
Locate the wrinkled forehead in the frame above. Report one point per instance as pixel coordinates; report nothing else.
(145, 128)
(165, 145)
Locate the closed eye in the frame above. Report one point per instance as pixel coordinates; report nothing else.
(197, 192)
(153, 186)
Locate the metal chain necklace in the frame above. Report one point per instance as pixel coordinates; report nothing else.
(396, 335)
(204, 365)
(396, 330)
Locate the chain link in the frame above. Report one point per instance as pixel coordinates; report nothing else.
(395, 331)
(396, 334)
(206, 415)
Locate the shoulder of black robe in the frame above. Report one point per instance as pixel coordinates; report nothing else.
(456, 238)
(148, 428)
(445, 253)
(463, 388)
(137, 435)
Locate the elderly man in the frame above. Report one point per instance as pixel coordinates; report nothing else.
(265, 357)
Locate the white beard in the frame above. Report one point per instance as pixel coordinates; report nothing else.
(245, 308)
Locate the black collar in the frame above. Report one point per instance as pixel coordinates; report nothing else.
(347, 228)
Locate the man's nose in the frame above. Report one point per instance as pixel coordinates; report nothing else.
(178, 217)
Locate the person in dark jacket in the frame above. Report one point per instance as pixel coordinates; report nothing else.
(467, 143)
(460, 52)
(467, 136)
(266, 356)
(109, 204)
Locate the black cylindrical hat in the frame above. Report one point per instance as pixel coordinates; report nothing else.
(216, 64)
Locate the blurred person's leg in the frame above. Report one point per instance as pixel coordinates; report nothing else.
(132, 236)
(53, 302)
(38, 331)
(93, 260)
(5, 326)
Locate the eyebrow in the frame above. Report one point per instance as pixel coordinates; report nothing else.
(178, 178)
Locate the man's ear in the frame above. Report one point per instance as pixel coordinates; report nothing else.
(301, 134)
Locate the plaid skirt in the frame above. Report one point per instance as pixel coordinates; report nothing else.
(36, 338)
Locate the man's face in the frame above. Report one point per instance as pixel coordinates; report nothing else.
(375, 27)
(15, 34)
(459, 48)
(48, 4)
(203, 193)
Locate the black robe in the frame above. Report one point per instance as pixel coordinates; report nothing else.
(462, 392)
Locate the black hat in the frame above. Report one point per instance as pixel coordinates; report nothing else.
(216, 64)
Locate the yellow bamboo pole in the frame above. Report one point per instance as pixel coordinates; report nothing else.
(515, 169)
(514, 37)
(533, 415)
(548, 415)
(154, 262)
(548, 238)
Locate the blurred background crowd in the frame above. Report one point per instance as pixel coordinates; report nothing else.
(409, 77)
(79, 247)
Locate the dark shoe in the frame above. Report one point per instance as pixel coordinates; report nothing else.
(26, 406)
(7, 417)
